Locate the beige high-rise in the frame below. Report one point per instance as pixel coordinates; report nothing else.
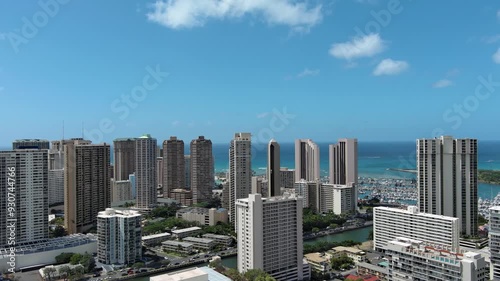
(240, 170)
(344, 165)
(145, 172)
(86, 184)
(202, 169)
(306, 160)
(124, 158)
(273, 169)
(174, 171)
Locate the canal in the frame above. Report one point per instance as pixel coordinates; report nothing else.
(359, 235)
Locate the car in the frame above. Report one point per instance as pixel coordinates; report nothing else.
(176, 263)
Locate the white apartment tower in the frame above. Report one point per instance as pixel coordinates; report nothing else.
(343, 158)
(273, 169)
(270, 235)
(240, 170)
(119, 237)
(447, 179)
(145, 174)
(389, 223)
(24, 179)
(306, 160)
(495, 242)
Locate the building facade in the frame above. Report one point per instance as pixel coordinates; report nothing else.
(270, 236)
(202, 169)
(307, 160)
(174, 175)
(495, 242)
(119, 237)
(145, 174)
(447, 179)
(287, 177)
(30, 144)
(204, 216)
(124, 158)
(343, 158)
(86, 184)
(273, 169)
(240, 170)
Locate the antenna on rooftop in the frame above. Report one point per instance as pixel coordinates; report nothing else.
(82, 132)
(63, 130)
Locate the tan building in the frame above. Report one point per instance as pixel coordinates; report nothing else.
(240, 170)
(202, 169)
(355, 254)
(86, 185)
(343, 158)
(182, 196)
(306, 160)
(204, 216)
(159, 172)
(320, 262)
(174, 171)
(145, 174)
(124, 158)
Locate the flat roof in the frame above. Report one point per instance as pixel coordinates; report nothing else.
(52, 244)
(348, 249)
(217, 236)
(156, 236)
(317, 257)
(208, 273)
(373, 267)
(177, 243)
(200, 240)
(178, 231)
(406, 211)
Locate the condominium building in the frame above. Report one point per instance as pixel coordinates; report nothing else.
(270, 236)
(182, 196)
(302, 189)
(204, 216)
(306, 160)
(56, 186)
(240, 170)
(145, 174)
(187, 170)
(273, 169)
(124, 158)
(495, 242)
(259, 185)
(159, 172)
(287, 177)
(119, 237)
(447, 179)
(343, 158)
(30, 144)
(389, 223)
(86, 184)
(121, 191)
(411, 259)
(225, 195)
(174, 171)
(202, 169)
(24, 181)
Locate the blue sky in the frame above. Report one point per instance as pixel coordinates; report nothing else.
(375, 70)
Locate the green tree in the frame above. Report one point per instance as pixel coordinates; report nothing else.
(76, 273)
(59, 231)
(88, 262)
(138, 265)
(64, 257)
(257, 275)
(481, 220)
(342, 262)
(48, 272)
(64, 271)
(75, 259)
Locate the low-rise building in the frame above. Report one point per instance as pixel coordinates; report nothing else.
(204, 216)
(222, 240)
(201, 243)
(197, 274)
(182, 196)
(365, 269)
(355, 254)
(320, 262)
(155, 239)
(177, 246)
(186, 232)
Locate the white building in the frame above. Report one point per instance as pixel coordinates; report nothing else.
(390, 223)
(201, 243)
(24, 182)
(155, 239)
(197, 274)
(119, 236)
(240, 170)
(145, 172)
(495, 242)
(302, 189)
(336, 198)
(343, 158)
(121, 190)
(415, 260)
(306, 160)
(447, 179)
(204, 216)
(270, 236)
(186, 232)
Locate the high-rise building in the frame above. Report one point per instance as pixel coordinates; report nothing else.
(124, 158)
(240, 170)
(306, 160)
(495, 243)
(24, 181)
(119, 237)
(344, 165)
(56, 186)
(447, 179)
(121, 191)
(225, 195)
(187, 170)
(160, 172)
(273, 169)
(202, 169)
(145, 172)
(270, 235)
(86, 184)
(390, 223)
(287, 177)
(30, 144)
(174, 176)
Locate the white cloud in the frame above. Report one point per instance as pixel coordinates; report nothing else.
(496, 56)
(176, 123)
(308, 72)
(390, 67)
(262, 115)
(365, 46)
(177, 14)
(442, 83)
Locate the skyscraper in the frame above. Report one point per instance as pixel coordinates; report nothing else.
(240, 170)
(24, 181)
(187, 170)
(306, 160)
(344, 165)
(174, 166)
(270, 235)
(447, 179)
(124, 158)
(202, 169)
(495, 242)
(273, 169)
(145, 172)
(86, 184)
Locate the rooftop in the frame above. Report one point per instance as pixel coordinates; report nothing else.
(156, 236)
(177, 243)
(194, 228)
(318, 257)
(110, 212)
(199, 240)
(411, 210)
(203, 272)
(52, 244)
